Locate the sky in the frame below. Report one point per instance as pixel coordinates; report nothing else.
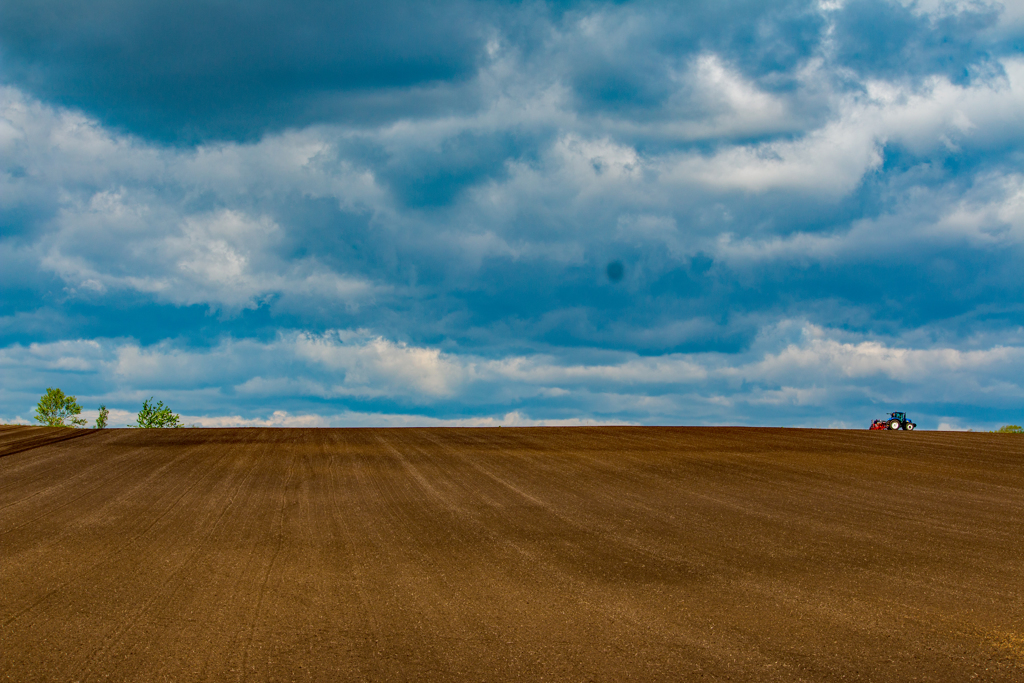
(388, 213)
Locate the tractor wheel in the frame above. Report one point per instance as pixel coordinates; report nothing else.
(910, 426)
(894, 424)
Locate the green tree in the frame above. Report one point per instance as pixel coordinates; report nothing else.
(101, 419)
(57, 410)
(1010, 429)
(156, 416)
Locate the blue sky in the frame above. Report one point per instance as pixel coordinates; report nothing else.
(455, 212)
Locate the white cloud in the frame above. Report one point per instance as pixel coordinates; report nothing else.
(668, 369)
(797, 396)
(992, 214)
(792, 366)
(279, 418)
(833, 158)
(373, 365)
(831, 161)
(123, 220)
(80, 355)
(988, 215)
(306, 162)
(282, 418)
(948, 372)
(715, 101)
(225, 259)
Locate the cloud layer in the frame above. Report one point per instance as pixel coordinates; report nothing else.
(814, 210)
(799, 372)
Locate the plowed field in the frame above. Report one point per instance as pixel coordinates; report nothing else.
(496, 554)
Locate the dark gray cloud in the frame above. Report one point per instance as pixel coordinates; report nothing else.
(194, 70)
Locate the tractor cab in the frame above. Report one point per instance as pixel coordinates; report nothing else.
(902, 417)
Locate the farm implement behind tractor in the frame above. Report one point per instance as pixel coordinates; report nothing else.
(895, 421)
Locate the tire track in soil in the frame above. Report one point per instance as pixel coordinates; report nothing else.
(317, 574)
(345, 520)
(505, 565)
(66, 527)
(238, 566)
(261, 593)
(462, 529)
(215, 581)
(97, 574)
(172, 582)
(583, 541)
(101, 477)
(20, 439)
(590, 495)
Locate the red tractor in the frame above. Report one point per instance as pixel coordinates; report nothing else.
(895, 421)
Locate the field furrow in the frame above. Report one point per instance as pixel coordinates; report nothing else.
(498, 554)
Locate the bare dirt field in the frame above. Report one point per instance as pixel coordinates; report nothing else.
(496, 554)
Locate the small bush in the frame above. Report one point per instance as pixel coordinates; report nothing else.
(1009, 429)
(101, 419)
(156, 416)
(57, 410)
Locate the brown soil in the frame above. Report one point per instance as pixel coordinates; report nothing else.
(15, 438)
(496, 554)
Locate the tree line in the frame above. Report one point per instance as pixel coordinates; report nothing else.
(56, 409)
